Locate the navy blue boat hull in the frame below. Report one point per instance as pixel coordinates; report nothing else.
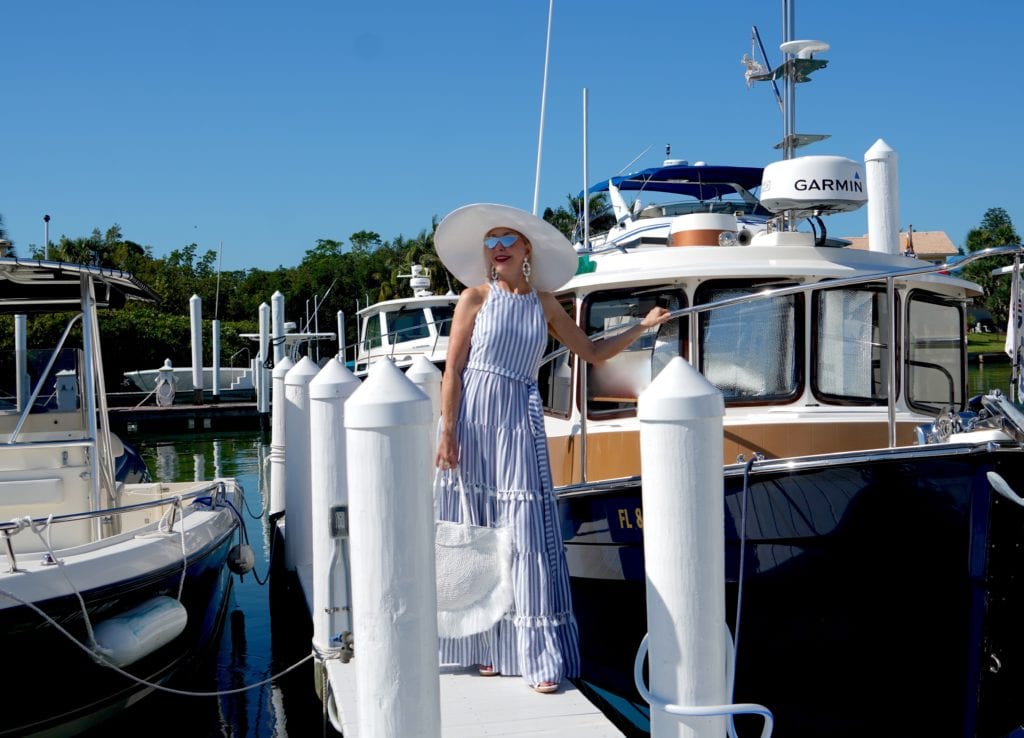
(57, 689)
(887, 587)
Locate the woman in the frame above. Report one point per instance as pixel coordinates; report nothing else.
(492, 425)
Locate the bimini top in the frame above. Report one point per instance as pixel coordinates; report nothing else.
(33, 286)
(700, 181)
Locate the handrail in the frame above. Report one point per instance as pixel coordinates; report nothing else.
(361, 345)
(771, 292)
(820, 461)
(205, 491)
(889, 278)
(231, 359)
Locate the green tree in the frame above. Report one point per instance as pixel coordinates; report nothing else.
(996, 229)
(570, 220)
(6, 247)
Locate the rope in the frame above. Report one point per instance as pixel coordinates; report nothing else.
(95, 656)
(38, 529)
(264, 492)
(243, 536)
(168, 527)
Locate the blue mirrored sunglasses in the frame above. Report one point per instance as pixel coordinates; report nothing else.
(506, 241)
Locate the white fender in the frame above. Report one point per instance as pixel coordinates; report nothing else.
(127, 637)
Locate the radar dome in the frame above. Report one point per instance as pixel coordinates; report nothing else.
(829, 184)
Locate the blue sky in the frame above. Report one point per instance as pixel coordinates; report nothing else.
(261, 127)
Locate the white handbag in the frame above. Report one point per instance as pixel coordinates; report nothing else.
(474, 572)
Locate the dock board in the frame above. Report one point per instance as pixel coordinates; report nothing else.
(472, 705)
(224, 416)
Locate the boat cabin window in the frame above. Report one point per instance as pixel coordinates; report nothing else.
(406, 324)
(935, 363)
(752, 351)
(371, 336)
(850, 363)
(554, 378)
(442, 317)
(614, 386)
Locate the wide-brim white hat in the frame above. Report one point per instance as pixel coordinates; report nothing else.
(459, 240)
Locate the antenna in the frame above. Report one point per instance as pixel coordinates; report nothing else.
(634, 159)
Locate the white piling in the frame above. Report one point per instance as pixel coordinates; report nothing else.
(681, 450)
(332, 604)
(425, 375)
(22, 383)
(195, 312)
(262, 373)
(392, 535)
(298, 543)
(341, 336)
(882, 174)
(278, 438)
(215, 380)
(277, 327)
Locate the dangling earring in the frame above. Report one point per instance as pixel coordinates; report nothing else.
(494, 274)
(527, 269)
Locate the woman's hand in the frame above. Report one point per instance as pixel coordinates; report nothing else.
(656, 316)
(447, 456)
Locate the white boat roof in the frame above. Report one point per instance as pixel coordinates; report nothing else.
(290, 338)
(36, 286)
(409, 302)
(806, 263)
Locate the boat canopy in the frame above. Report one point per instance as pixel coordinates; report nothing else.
(700, 181)
(34, 286)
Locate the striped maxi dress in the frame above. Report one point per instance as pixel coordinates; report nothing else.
(503, 460)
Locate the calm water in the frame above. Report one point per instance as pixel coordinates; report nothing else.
(984, 377)
(247, 652)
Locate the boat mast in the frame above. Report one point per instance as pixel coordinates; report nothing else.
(789, 106)
(797, 64)
(543, 101)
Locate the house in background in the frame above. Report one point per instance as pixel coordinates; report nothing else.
(928, 245)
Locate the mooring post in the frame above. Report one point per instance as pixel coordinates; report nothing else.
(261, 372)
(195, 314)
(278, 438)
(394, 597)
(681, 450)
(298, 544)
(277, 326)
(425, 375)
(332, 604)
(215, 346)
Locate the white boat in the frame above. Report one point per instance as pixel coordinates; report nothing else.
(235, 382)
(871, 499)
(109, 588)
(404, 328)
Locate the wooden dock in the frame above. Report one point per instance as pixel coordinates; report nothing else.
(221, 416)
